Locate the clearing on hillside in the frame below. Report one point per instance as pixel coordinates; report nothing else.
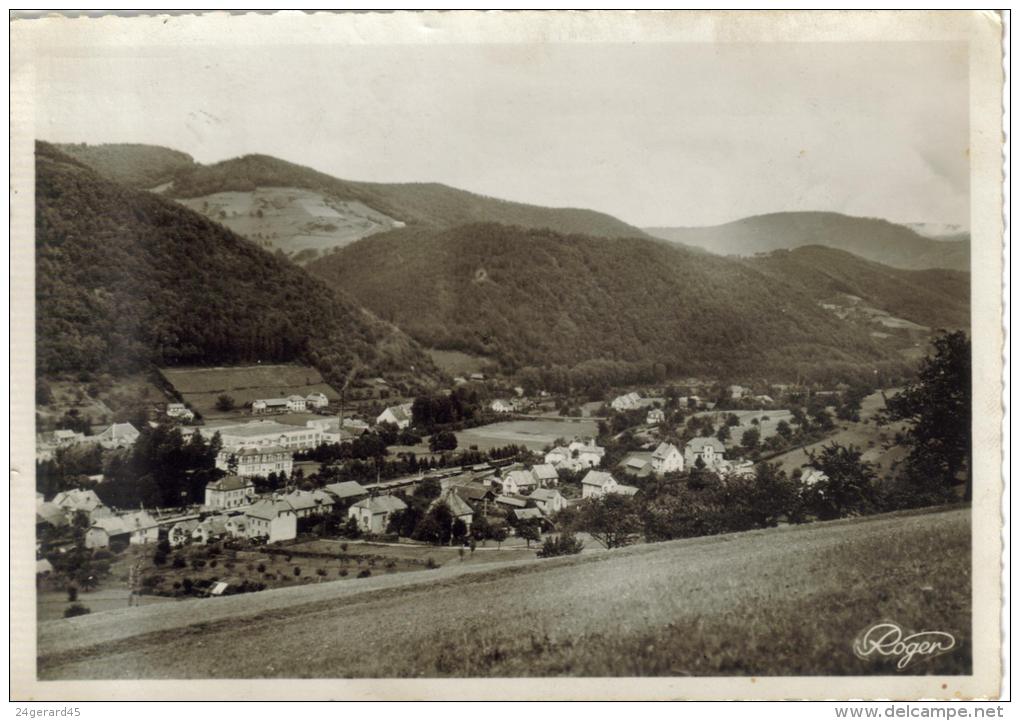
(200, 387)
(785, 601)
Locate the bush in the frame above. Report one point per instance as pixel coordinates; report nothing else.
(342, 572)
(297, 571)
(261, 568)
(72, 594)
(76, 610)
(563, 545)
(179, 562)
(364, 573)
(431, 563)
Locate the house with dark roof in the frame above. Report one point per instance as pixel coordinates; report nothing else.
(346, 490)
(457, 505)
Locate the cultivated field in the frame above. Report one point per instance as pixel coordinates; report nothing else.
(302, 223)
(534, 434)
(782, 601)
(201, 387)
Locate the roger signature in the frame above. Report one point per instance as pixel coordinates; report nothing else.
(889, 640)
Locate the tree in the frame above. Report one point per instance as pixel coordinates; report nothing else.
(565, 544)
(612, 519)
(224, 402)
(784, 430)
(937, 407)
(750, 439)
(849, 485)
(442, 441)
(529, 531)
(723, 434)
(498, 532)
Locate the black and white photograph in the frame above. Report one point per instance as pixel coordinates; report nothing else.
(560, 355)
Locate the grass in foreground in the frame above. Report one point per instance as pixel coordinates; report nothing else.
(784, 601)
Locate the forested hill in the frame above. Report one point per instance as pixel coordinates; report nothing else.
(429, 204)
(534, 297)
(934, 298)
(870, 238)
(126, 279)
(131, 164)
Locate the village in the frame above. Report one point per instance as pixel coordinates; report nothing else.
(270, 501)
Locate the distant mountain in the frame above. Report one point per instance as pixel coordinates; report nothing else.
(933, 298)
(306, 213)
(535, 297)
(870, 238)
(126, 280)
(137, 166)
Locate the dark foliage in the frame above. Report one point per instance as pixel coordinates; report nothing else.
(603, 311)
(126, 279)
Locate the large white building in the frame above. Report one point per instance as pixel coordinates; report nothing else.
(252, 461)
(709, 450)
(263, 434)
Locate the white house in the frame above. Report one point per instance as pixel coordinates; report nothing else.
(516, 482)
(710, 450)
(587, 453)
(136, 528)
(119, 435)
(626, 402)
(655, 416)
(597, 483)
(272, 520)
(316, 400)
(667, 458)
(252, 461)
(64, 437)
(811, 476)
(400, 416)
(229, 492)
(548, 500)
(292, 403)
(78, 499)
(179, 410)
(210, 529)
(502, 406)
(296, 403)
(545, 474)
(373, 514)
(737, 392)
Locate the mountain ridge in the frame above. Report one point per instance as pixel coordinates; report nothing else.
(873, 239)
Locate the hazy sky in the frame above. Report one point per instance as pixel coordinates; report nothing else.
(656, 134)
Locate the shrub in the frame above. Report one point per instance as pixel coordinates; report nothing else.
(320, 571)
(159, 558)
(342, 572)
(563, 545)
(76, 610)
(297, 570)
(261, 568)
(365, 573)
(179, 562)
(431, 563)
(72, 594)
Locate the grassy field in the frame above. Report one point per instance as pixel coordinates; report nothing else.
(201, 387)
(535, 434)
(782, 601)
(866, 435)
